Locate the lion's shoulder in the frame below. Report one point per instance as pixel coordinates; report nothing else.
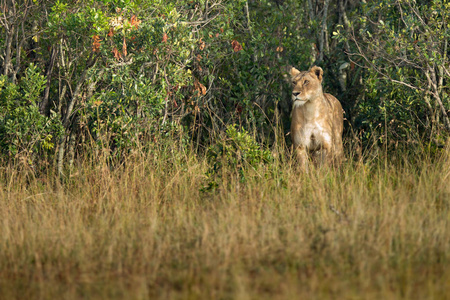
(332, 101)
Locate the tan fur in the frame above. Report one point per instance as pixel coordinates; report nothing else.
(317, 119)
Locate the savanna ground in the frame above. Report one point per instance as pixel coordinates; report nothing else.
(377, 228)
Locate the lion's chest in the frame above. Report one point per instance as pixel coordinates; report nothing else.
(311, 136)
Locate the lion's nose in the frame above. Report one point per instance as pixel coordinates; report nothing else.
(296, 94)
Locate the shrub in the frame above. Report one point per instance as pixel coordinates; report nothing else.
(236, 153)
(24, 131)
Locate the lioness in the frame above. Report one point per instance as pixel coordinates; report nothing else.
(317, 119)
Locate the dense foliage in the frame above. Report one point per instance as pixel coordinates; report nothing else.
(84, 77)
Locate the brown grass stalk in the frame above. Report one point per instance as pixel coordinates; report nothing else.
(145, 231)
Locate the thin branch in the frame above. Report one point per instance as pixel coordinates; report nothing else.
(323, 34)
(166, 100)
(202, 23)
(431, 76)
(44, 107)
(90, 62)
(247, 13)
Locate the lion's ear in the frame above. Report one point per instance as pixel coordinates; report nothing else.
(294, 72)
(318, 72)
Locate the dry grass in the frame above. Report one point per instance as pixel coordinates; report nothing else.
(145, 231)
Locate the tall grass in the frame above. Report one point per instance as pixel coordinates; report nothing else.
(369, 230)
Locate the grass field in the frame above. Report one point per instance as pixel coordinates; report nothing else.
(375, 229)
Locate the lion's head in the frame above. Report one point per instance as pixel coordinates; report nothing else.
(306, 85)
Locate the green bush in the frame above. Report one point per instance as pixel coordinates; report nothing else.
(237, 152)
(404, 99)
(121, 73)
(24, 131)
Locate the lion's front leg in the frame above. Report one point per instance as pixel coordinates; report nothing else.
(324, 155)
(327, 155)
(302, 158)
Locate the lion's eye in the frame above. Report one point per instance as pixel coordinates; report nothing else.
(306, 82)
(294, 82)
